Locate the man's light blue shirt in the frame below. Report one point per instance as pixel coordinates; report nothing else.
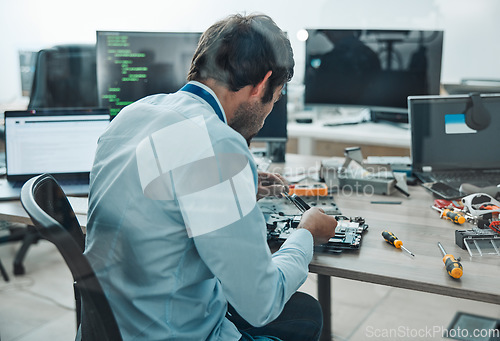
(174, 232)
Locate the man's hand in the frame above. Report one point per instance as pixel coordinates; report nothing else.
(321, 225)
(271, 185)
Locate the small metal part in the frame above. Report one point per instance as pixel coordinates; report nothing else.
(442, 249)
(297, 201)
(405, 249)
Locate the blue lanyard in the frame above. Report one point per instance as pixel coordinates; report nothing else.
(199, 91)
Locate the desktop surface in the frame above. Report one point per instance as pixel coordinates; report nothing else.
(365, 133)
(413, 221)
(420, 228)
(383, 138)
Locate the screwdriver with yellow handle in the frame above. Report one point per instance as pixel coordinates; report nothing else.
(455, 217)
(394, 241)
(453, 266)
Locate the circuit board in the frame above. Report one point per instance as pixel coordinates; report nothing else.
(282, 218)
(283, 207)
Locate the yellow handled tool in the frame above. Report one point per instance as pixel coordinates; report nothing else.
(453, 266)
(456, 217)
(394, 241)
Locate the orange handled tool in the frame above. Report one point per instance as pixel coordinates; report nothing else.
(453, 266)
(394, 241)
(456, 217)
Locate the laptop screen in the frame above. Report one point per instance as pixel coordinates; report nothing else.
(441, 140)
(52, 141)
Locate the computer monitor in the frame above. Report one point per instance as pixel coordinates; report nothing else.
(467, 86)
(274, 132)
(377, 69)
(132, 65)
(274, 129)
(65, 77)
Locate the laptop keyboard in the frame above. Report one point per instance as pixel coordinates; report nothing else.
(456, 178)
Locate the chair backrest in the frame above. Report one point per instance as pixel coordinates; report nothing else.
(53, 217)
(65, 76)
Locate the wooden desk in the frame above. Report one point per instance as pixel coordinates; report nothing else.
(14, 212)
(413, 221)
(420, 228)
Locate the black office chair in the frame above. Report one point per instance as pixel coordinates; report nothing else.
(65, 76)
(53, 217)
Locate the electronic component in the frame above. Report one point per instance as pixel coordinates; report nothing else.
(348, 232)
(283, 218)
(369, 178)
(478, 242)
(284, 207)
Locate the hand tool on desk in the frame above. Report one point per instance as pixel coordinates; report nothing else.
(394, 241)
(456, 217)
(297, 201)
(317, 189)
(453, 266)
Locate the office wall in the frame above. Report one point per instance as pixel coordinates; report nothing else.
(472, 28)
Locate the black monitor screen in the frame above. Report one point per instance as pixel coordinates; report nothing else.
(132, 65)
(274, 128)
(371, 68)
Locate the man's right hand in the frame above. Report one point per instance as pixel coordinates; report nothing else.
(321, 226)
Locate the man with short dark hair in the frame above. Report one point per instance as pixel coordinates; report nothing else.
(174, 232)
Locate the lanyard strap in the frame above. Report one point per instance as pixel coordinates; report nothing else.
(199, 91)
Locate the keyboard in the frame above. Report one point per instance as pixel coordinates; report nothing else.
(457, 178)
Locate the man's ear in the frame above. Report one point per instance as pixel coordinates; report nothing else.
(259, 89)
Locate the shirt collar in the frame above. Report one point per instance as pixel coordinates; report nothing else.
(207, 94)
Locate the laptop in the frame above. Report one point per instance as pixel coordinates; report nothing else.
(446, 152)
(467, 86)
(61, 142)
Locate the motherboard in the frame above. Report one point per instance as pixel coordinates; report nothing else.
(283, 217)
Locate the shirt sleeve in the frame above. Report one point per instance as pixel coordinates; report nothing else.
(229, 232)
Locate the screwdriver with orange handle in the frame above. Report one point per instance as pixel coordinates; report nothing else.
(394, 241)
(455, 217)
(453, 266)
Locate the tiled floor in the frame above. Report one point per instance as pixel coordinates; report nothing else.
(39, 305)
